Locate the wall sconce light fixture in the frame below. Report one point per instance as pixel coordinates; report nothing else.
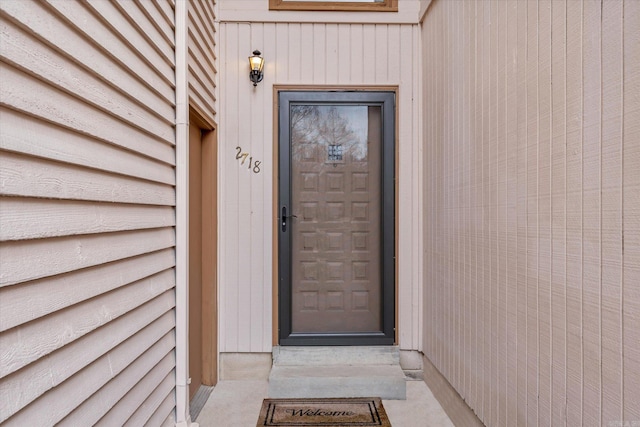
(257, 64)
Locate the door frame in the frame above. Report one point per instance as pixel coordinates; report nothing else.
(203, 307)
(387, 97)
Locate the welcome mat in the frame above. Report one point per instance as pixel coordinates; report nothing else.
(363, 412)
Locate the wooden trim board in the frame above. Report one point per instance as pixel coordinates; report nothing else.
(209, 258)
(315, 5)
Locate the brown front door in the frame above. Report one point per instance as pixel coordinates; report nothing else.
(335, 273)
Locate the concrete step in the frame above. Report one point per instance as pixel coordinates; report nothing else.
(339, 371)
(318, 381)
(337, 355)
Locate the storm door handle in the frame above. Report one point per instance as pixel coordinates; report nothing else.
(284, 218)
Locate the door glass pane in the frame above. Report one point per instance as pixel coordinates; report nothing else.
(336, 196)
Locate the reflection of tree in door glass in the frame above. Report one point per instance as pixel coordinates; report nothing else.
(315, 127)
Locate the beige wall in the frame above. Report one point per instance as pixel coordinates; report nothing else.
(86, 214)
(202, 67)
(532, 175)
(303, 54)
(87, 207)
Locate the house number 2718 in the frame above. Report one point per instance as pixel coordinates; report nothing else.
(253, 165)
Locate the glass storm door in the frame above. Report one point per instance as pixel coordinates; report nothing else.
(336, 218)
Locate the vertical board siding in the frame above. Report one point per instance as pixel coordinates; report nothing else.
(87, 321)
(630, 159)
(531, 126)
(202, 59)
(304, 54)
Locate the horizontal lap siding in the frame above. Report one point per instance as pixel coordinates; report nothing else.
(202, 72)
(303, 54)
(87, 322)
(531, 123)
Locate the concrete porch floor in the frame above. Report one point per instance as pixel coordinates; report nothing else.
(238, 403)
